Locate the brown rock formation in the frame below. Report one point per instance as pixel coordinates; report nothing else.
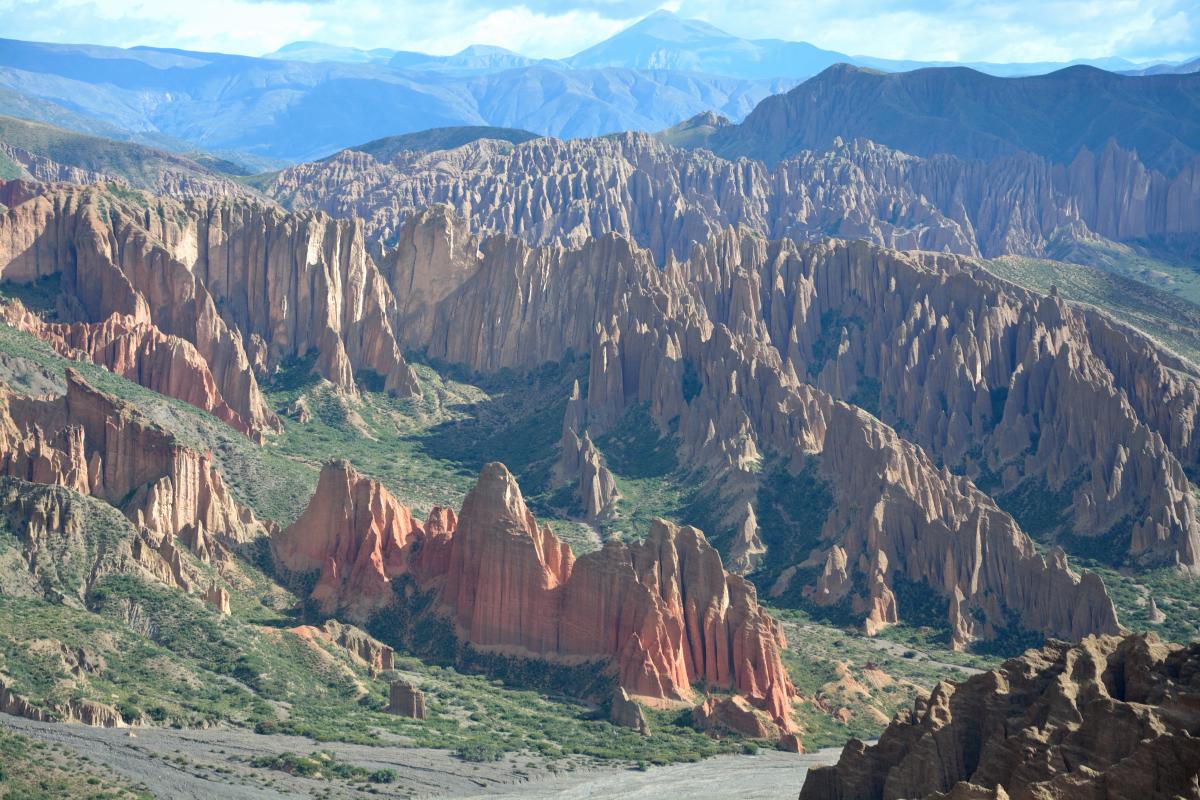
(624, 711)
(143, 354)
(363, 649)
(85, 712)
(650, 332)
(580, 463)
(991, 379)
(406, 700)
(96, 444)
(247, 285)
(666, 199)
(218, 597)
(663, 613)
(733, 715)
(1109, 718)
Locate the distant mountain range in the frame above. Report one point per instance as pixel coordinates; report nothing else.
(294, 110)
(966, 113)
(664, 40)
(308, 100)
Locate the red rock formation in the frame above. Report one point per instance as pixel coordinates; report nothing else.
(96, 444)
(110, 264)
(247, 285)
(1108, 718)
(663, 613)
(141, 353)
(356, 535)
(646, 329)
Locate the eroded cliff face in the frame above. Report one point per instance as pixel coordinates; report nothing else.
(179, 179)
(356, 535)
(663, 614)
(250, 287)
(140, 352)
(1110, 717)
(1011, 388)
(646, 329)
(95, 444)
(550, 191)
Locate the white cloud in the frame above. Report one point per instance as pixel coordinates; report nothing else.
(992, 30)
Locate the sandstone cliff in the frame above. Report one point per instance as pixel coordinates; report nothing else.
(997, 382)
(646, 329)
(95, 444)
(662, 613)
(666, 198)
(1107, 718)
(138, 351)
(250, 287)
(356, 535)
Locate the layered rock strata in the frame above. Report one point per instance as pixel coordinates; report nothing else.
(1108, 718)
(95, 444)
(662, 613)
(139, 352)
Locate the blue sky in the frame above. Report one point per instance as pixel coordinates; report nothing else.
(966, 30)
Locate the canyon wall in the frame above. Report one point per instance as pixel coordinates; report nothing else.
(666, 199)
(249, 287)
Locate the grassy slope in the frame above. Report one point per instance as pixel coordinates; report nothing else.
(1160, 300)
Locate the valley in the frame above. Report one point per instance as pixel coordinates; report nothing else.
(607, 447)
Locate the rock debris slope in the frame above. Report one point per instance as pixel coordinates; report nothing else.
(663, 613)
(1107, 718)
(667, 198)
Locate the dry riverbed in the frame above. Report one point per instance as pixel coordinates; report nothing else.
(205, 764)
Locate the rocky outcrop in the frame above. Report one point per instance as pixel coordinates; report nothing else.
(580, 463)
(85, 712)
(95, 444)
(666, 199)
(364, 650)
(218, 597)
(67, 543)
(717, 716)
(1108, 718)
(249, 286)
(140, 352)
(696, 343)
(624, 711)
(355, 536)
(663, 614)
(406, 700)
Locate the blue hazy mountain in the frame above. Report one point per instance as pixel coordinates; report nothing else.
(296, 110)
(966, 113)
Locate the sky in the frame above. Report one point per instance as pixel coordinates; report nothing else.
(953, 30)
